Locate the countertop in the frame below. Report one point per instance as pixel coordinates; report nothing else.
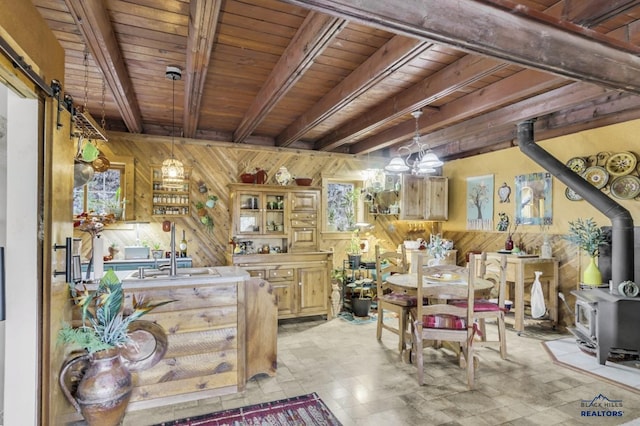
(186, 276)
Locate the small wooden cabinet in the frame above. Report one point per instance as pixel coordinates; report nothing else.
(274, 219)
(424, 198)
(274, 230)
(300, 281)
(164, 202)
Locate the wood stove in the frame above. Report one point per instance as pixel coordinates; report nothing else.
(607, 321)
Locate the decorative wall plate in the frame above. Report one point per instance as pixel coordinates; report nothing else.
(621, 163)
(572, 195)
(625, 187)
(596, 176)
(577, 164)
(628, 289)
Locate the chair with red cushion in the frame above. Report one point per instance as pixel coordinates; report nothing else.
(391, 262)
(493, 268)
(439, 321)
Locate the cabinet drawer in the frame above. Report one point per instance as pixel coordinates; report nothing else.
(304, 223)
(304, 216)
(258, 273)
(279, 273)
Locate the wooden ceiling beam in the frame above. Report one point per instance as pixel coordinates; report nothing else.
(396, 53)
(590, 13)
(536, 106)
(313, 36)
(611, 108)
(503, 92)
(93, 21)
(203, 21)
(466, 70)
(512, 36)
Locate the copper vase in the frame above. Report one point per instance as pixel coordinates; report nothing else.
(105, 389)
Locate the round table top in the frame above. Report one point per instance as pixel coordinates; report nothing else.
(436, 276)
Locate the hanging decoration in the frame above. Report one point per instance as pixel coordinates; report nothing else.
(172, 169)
(426, 161)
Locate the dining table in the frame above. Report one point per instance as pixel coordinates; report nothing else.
(443, 276)
(438, 276)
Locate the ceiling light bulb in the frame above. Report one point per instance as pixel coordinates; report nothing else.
(396, 164)
(430, 160)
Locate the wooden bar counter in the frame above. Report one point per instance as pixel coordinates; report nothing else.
(221, 328)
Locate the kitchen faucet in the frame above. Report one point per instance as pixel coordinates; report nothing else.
(173, 262)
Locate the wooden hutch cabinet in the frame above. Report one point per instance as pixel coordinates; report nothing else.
(274, 230)
(424, 198)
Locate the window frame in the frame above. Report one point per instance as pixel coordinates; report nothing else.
(351, 179)
(127, 164)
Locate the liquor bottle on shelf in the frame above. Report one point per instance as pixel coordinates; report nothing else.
(183, 245)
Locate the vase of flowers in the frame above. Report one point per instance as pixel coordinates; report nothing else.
(93, 224)
(98, 382)
(588, 236)
(437, 248)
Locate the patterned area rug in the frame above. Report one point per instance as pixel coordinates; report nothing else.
(300, 410)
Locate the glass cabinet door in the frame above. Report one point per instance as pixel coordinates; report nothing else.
(249, 211)
(275, 213)
(261, 213)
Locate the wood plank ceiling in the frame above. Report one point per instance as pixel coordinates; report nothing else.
(344, 76)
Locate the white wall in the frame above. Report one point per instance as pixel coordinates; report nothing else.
(3, 219)
(20, 204)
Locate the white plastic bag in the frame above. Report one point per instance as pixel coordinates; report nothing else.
(538, 308)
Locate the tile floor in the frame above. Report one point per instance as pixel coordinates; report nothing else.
(364, 382)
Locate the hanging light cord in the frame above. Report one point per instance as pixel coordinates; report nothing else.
(173, 112)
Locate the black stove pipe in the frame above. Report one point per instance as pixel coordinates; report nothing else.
(621, 220)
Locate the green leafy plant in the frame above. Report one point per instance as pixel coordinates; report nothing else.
(586, 235)
(354, 243)
(104, 324)
(207, 221)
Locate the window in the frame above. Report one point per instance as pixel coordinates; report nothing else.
(100, 194)
(344, 207)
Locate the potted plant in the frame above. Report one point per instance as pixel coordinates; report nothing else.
(200, 209)
(362, 304)
(115, 205)
(354, 252)
(113, 249)
(207, 221)
(104, 389)
(211, 201)
(156, 251)
(587, 236)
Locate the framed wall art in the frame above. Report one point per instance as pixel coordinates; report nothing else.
(533, 199)
(480, 203)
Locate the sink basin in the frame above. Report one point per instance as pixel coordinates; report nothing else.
(182, 273)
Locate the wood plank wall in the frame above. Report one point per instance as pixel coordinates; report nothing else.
(570, 262)
(219, 164)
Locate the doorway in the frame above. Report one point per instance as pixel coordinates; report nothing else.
(20, 210)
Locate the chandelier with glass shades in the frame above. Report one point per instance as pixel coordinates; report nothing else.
(425, 162)
(172, 169)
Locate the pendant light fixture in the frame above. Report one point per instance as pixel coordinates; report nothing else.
(172, 169)
(426, 161)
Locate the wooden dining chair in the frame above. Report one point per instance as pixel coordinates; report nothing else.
(494, 269)
(391, 262)
(439, 321)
